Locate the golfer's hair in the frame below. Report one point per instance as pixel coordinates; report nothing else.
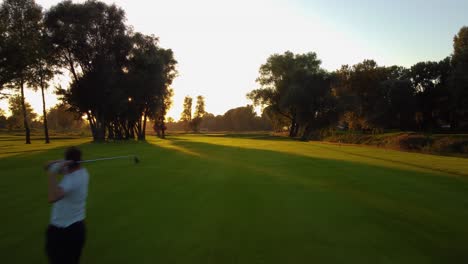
(74, 154)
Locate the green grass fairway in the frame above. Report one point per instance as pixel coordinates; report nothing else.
(244, 199)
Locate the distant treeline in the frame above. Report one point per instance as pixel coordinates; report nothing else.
(59, 118)
(297, 93)
(237, 119)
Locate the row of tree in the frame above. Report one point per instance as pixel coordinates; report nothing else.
(237, 119)
(296, 92)
(58, 117)
(189, 122)
(119, 78)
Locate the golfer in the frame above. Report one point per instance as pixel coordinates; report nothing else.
(65, 235)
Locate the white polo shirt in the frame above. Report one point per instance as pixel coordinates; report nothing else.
(72, 207)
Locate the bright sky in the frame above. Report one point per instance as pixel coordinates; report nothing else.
(220, 45)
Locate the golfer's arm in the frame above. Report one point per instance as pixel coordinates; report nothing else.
(55, 192)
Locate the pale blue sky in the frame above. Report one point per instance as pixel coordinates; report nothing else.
(400, 32)
(221, 44)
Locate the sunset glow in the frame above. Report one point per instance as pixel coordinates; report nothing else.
(219, 45)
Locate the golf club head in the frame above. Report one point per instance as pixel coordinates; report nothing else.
(136, 160)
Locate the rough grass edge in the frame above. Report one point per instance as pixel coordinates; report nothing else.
(439, 144)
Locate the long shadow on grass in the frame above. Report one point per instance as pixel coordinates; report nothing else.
(340, 150)
(259, 136)
(404, 197)
(354, 178)
(394, 161)
(400, 209)
(250, 156)
(412, 209)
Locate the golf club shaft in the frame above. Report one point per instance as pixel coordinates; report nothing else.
(111, 158)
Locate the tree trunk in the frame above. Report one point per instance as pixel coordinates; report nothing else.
(101, 135)
(25, 115)
(111, 134)
(163, 128)
(292, 128)
(143, 131)
(44, 113)
(126, 128)
(92, 126)
(306, 133)
(138, 128)
(100, 128)
(296, 129)
(131, 130)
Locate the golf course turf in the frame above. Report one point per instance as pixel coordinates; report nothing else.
(243, 199)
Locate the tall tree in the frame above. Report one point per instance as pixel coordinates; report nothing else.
(92, 42)
(186, 116)
(429, 81)
(200, 107)
(160, 116)
(276, 79)
(42, 72)
(6, 53)
(365, 88)
(296, 87)
(395, 105)
(21, 20)
(311, 94)
(120, 78)
(151, 71)
(199, 113)
(459, 81)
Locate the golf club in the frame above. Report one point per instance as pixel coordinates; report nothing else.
(134, 158)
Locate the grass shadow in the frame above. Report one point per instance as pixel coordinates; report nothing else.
(256, 136)
(196, 202)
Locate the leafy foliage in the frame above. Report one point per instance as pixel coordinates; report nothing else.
(15, 120)
(186, 116)
(120, 78)
(294, 86)
(237, 119)
(20, 26)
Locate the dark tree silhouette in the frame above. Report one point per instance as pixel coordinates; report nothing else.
(120, 78)
(43, 71)
(62, 120)
(237, 119)
(92, 42)
(429, 81)
(294, 86)
(459, 81)
(21, 22)
(199, 113)
(15, 105)
(186, 116)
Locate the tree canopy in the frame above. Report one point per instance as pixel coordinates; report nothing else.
(20, 26)
(120, 78)
(429, 96)
(296, 87)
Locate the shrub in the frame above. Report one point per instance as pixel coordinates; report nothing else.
(450, 145)
(413, 142)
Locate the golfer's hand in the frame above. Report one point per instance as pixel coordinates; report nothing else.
(49, 163)
(57, 166)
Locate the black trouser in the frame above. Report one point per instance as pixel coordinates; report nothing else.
(64, 245)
